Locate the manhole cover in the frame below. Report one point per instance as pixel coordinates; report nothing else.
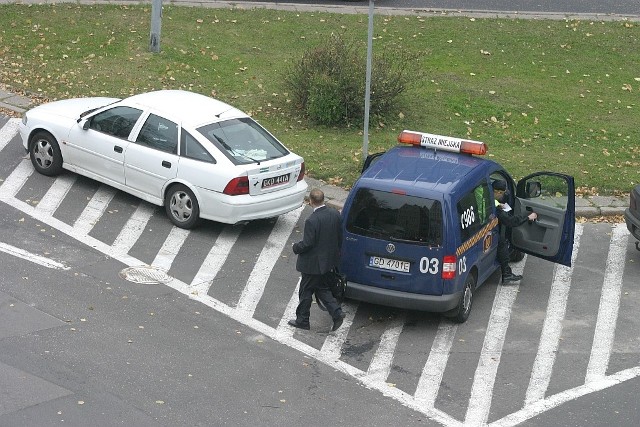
(145, 275)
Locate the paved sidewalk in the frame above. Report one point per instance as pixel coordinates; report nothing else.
(361, 7)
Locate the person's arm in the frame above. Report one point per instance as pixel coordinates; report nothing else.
(309, 238)
(514, 220)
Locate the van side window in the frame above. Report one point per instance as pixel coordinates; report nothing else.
(474, 210)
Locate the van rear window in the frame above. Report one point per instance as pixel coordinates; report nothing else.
(396, 217)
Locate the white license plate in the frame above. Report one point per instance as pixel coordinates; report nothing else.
(276, 180)
(389, 264)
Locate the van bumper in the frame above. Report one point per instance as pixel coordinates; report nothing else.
(633, 223)
(405, 300)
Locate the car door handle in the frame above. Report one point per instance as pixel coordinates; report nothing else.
(166, 164)
(117, 149)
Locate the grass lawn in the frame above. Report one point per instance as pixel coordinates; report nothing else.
(544, 95)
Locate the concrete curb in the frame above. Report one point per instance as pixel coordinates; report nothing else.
(358, 9)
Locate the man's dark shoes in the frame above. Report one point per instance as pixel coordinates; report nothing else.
(295, 324)
(510, 277)
(337, 322)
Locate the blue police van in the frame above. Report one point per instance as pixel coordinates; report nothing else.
(421, 230)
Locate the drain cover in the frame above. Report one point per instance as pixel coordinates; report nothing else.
(145, 275)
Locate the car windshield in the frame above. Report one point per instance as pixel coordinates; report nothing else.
(243, 141)
(396, 217)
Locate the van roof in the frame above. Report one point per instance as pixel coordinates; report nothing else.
(426, 170)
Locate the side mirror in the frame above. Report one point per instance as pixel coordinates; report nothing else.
(533, 189)
(85, 125)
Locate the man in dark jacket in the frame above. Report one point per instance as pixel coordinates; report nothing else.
(506, 218)
(318, 254)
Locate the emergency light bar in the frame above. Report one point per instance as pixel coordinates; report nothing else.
(445, 143)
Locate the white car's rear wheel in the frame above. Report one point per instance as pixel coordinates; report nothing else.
(182, 206)
(45, 154)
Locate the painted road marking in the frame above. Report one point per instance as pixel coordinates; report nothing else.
(170, 248)
(431, 378)
(134, 227)
(609, 305)
(380, 365)
(37, 259)
(94, 209)
(485, 375)
(54, 196)
(552, 327)
(214, 260)
(271, 251)
(8, 131)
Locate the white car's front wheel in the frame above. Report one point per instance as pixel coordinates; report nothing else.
(45, 154)
(182, 206)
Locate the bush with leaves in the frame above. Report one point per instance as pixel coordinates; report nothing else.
(328, 82)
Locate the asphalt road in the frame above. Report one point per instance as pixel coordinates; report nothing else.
(81, 340)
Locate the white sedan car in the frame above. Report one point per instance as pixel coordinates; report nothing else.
(199, 157)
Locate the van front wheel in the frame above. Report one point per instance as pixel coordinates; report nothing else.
(466, 300)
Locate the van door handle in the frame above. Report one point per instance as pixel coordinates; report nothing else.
(166, 164)
(388, 276)
(117, 149)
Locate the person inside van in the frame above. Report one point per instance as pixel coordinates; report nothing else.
(506, 218)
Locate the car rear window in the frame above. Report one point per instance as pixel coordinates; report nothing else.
(396, 217)
(243, 141)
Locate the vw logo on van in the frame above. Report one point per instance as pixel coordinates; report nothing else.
(391, 248)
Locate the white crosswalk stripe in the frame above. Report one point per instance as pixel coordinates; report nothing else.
(215, 260)
(167, 253)
(95, 209)
(260, 274)
(56, 194)
(552, 328)
(431, 377)
(8, 131)
(483, 382)
(609, 303)
(134, 227)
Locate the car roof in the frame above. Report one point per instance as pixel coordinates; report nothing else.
(192, 108)
(427, 172)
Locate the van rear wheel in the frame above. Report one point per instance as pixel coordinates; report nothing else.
(466, 300)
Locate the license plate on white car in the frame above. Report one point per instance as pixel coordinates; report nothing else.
(275, 180)
(389, 264)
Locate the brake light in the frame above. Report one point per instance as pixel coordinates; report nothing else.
(237, 186)
(449, 267)
(301, 176)
(445, 143)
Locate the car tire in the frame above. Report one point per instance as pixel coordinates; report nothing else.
(466, 300)
(45, 154)
(182, 206)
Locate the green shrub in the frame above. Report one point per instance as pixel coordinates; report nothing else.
(328, 83)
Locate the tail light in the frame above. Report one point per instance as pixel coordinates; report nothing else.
(449, 267)
(237, 186)
(301, 176)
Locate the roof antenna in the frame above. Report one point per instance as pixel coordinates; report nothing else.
(225, 111)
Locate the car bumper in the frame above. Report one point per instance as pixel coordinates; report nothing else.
(24, 135)
(404, 300)
(633, 223)
(233, 209)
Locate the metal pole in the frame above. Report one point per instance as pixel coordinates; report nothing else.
(367, 91)
(156, 23)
